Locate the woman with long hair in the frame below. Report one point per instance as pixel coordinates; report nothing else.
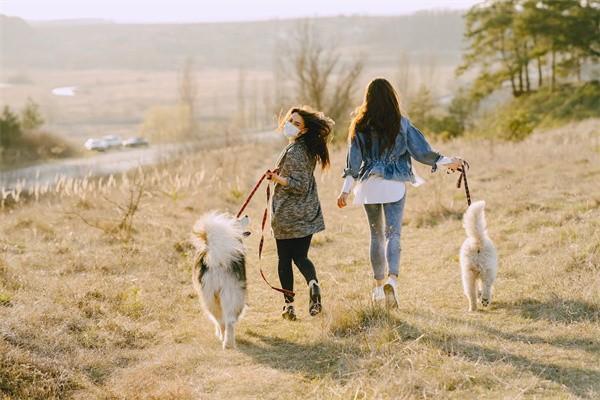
(296, 213)
(382, 143)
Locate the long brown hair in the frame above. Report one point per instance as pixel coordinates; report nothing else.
(318, 130)
(379, 113)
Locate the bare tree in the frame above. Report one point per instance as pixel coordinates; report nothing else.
(188, 92)
(321, 79)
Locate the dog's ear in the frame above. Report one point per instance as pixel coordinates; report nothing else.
(244, 221)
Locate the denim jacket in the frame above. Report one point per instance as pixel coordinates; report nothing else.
(363, 158)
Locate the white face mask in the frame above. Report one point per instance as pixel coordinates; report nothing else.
(290, 130)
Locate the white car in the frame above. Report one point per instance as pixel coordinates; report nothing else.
(112, 141)
(135, 142)
(95, 144)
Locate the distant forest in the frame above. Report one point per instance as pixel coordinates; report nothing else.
(93, 44)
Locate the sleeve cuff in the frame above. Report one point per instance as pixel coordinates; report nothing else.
(443, 161)
(348, 183)
(349, 173)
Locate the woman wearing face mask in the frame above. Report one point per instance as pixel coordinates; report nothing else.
(296, 213)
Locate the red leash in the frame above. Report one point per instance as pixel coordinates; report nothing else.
(262, 178)
(262, 228)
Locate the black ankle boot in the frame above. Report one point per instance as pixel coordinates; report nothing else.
(289, 312)
(314, 304)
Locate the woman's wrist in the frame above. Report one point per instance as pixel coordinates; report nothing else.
(348, 183)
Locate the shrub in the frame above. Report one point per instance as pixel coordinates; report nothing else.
(10, 128)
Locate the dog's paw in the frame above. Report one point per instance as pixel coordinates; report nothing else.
(229, 344)
(218, 333)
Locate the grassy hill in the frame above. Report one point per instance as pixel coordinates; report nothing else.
(86, 314)
(518, 117)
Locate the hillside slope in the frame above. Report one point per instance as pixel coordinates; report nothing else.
(86, 315)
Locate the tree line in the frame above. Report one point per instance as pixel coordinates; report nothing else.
(530, 43)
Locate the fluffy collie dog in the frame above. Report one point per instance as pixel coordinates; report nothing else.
(219, 272)
(478, 259)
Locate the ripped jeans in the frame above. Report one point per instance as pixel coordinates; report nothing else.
(385, 240)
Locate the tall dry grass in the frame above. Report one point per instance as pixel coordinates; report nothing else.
(86, 315)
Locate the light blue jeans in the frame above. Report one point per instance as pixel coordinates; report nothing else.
(385, 239)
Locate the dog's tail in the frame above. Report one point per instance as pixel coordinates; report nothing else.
(474, 221)
(219, 236)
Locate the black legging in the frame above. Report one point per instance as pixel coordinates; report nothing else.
(296, 250)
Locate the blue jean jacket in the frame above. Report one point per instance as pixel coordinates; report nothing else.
(363, 158)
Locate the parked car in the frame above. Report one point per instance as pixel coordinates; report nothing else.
(112, 141)
(135, 142)
(95, 144)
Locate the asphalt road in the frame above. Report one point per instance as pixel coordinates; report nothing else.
(113, 162)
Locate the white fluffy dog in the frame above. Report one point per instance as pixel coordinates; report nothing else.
(478, 260)
(219, 272)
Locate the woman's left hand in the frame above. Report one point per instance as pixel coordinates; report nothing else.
(273, 176)
(457, 164)
(342, 200)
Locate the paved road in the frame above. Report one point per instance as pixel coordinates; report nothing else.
(113, 162)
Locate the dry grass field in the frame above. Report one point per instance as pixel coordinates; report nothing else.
(116, 101)
(94, 311)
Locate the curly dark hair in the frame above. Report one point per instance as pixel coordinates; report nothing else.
(319, 129)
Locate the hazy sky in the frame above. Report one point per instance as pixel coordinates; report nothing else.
(214, 10)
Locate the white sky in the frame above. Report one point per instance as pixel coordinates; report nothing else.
(214, 10)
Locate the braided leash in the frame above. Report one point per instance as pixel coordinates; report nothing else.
(463, 177)
(247, 201)
(262, 228)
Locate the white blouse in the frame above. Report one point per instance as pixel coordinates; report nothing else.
(377, 190)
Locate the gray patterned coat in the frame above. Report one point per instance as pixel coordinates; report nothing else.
(296, 207)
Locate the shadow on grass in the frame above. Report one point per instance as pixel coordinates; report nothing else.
(313, 360)
(340, 355)
(559, 310)
(336, 356)
(586, 344)
(582, 382)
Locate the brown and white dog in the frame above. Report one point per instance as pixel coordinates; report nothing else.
(219, 272)
(478, 259)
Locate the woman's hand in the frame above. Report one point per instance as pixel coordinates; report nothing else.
(457, 164)
(275, 177)
(342, 200)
